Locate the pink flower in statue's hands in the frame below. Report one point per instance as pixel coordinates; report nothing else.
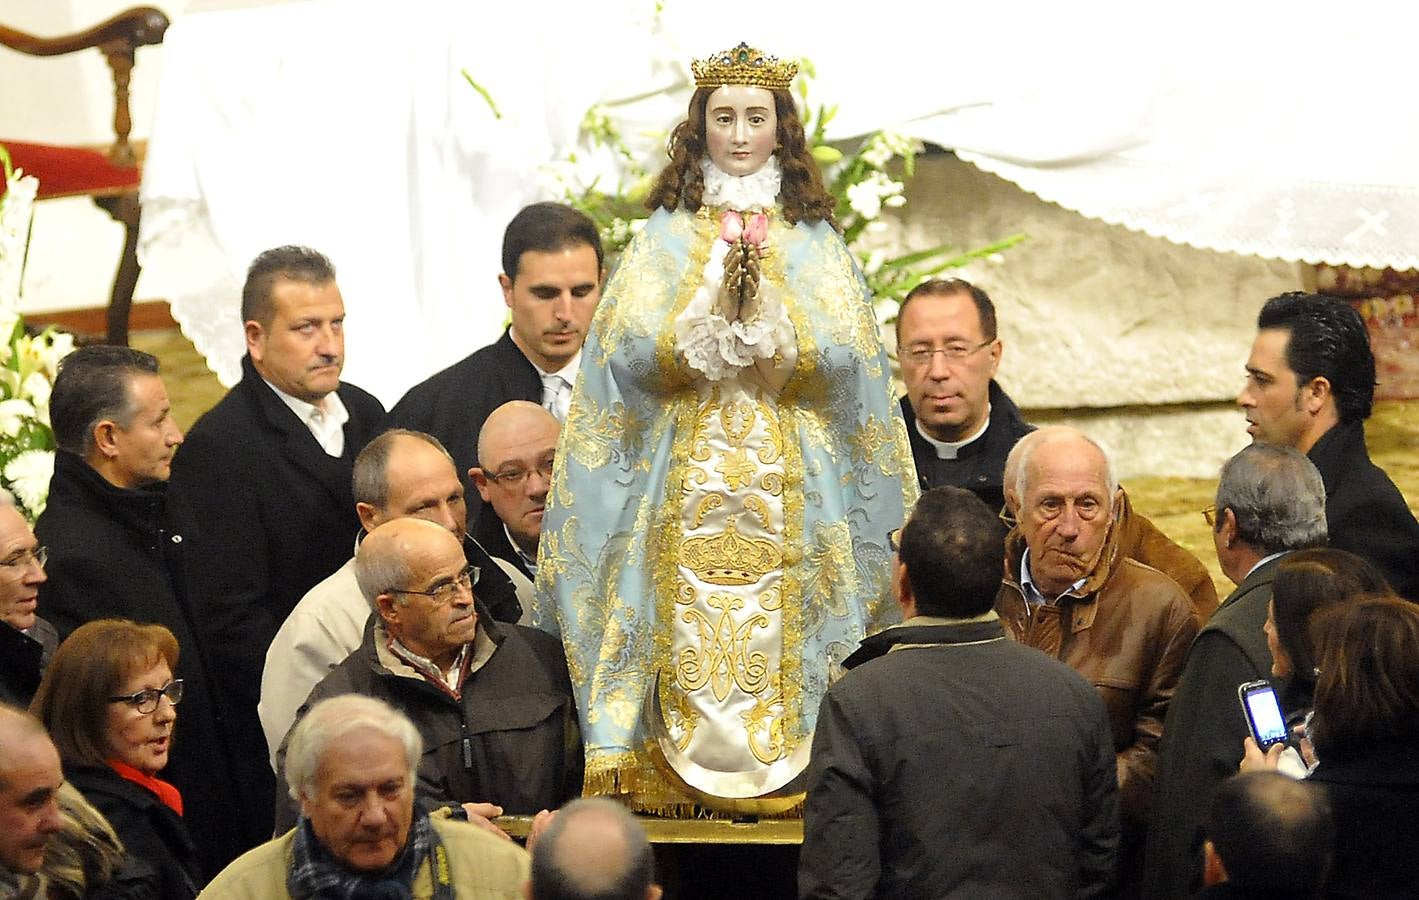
(731, 226)
(757, 229)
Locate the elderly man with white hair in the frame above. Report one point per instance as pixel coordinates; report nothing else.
(352, 765)
(1070, 592)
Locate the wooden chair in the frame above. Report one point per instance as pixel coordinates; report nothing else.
(110, 176)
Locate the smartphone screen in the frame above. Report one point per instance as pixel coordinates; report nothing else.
(1263, 712)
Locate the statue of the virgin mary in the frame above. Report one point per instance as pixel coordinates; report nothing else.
(730, 468)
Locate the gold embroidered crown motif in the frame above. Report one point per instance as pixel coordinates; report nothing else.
(744, 65)
(729, 558)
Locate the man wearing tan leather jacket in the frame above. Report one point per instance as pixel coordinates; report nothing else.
(1071, 593)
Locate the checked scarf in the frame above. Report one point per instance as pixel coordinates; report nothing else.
(316, 875)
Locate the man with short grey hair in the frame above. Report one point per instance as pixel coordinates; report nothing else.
(1270, 501)
(593, 849)
(1070, 592)
(26, 640)
(352, 764)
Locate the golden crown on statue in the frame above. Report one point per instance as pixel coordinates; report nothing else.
(744, 65)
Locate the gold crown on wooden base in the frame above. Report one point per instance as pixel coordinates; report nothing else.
(729, 558)
(744, 65)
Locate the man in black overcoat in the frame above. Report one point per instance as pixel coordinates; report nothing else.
(1270, 502)
(551, 283)
(1311, 385)
(118, 542)
(266, 472)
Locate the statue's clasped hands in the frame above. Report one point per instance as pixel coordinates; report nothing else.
(748, 241)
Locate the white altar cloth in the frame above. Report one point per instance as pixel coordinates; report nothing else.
(1269, 129)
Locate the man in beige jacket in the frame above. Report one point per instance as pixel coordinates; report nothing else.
(351, 764)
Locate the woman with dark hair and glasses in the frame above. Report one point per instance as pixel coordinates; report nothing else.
(109, 701)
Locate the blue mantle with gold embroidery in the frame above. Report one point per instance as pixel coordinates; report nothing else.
(615, 548)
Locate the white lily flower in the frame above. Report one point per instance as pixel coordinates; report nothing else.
(28, 475)
(864, 199)
(13, 414)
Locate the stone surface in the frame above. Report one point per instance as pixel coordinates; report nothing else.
(1101, 323)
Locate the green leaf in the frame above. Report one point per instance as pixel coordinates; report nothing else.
(482, 92)
(827, 155)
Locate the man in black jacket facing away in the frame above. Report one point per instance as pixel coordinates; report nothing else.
(117, 543)
(951, 761)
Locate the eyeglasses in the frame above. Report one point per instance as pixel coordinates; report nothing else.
(1209, 514)
(1008, 517)
(39, 556)
(518, 477)
(922, 356)
(146, 701)
(894, 540)
(445, 593)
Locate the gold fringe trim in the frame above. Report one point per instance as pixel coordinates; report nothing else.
(635, 781)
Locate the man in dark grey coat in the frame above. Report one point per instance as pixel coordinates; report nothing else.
(1270, 502)
(950, 761)
(492, 700)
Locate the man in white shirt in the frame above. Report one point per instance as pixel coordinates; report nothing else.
(267, 474)
(399, 474)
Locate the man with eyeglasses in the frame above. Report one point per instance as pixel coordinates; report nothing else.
(492, 700)
(120, 548)
(26, 640)
(516, 450)
(400, 473)
(1270, 501)
(960, 422)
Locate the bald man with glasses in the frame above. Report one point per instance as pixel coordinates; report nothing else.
(492, 700)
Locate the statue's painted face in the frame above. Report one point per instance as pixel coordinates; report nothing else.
(741, 128)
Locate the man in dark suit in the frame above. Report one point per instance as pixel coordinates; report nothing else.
(960, 422)
(1311, 385)
(267, 474)
(516, 449)
(117, 545)
(26, 640)
(551, 283)
(1270, 502)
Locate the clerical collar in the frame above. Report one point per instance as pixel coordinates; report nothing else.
(1032, 594)
(567, 373)
(529, 561)
(952, 449)
(757, 190)
(325, 422)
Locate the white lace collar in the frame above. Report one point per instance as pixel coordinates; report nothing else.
(757, 190)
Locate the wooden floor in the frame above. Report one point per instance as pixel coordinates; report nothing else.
(1173, 504)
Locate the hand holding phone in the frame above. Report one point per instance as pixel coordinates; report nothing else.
(1263, 713)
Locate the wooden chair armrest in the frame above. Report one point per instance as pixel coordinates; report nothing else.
(137, 27)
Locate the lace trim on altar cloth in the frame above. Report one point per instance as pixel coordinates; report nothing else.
(757, 190)
(718, 348)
